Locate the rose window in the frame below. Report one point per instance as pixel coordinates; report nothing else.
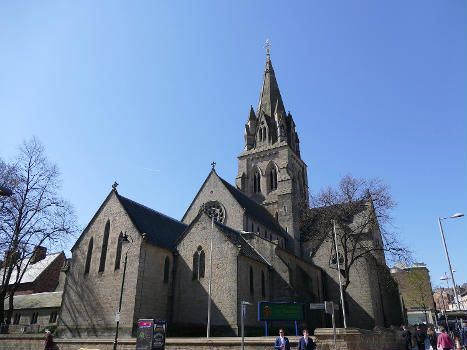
(215, 210)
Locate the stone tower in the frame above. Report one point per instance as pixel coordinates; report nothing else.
(270, 169)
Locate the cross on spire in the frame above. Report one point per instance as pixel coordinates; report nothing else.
(114, 186)
(267, 46)
(213, 164)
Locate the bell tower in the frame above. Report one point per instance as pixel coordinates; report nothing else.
(270, 169)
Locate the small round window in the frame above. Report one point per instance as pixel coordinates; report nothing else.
(215, 210)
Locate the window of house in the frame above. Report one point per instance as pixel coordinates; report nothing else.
(118, 255)
(34, 317)
(53, 317)
(105, 242)
(252, 288)
(166, 269)
(88, 257)
(199, 258)
(263, 285)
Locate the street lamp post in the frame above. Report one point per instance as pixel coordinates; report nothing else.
(339, 275)
(243, 309)
(457, 215)
(214, 213)
(124, 239)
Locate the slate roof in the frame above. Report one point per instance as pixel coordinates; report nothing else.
(254, 209)
(161, 230)
(236, 238)
(33, 270)
(36, 301)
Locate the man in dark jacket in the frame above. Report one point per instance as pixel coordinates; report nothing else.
(420, 337)
(407, 337)
(463, 335)
(282, 342)
(306, 343)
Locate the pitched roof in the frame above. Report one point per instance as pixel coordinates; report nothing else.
(236, 238)
(36, 301)
(161, 230)
(253, 209)
(33, 270)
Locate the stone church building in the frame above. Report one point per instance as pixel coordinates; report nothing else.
(257, 255)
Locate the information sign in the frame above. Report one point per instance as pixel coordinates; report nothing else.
(269, 311)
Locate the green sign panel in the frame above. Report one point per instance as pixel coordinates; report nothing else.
(268, 311)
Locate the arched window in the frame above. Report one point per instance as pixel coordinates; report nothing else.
(202, 263)
(166, 269)
(273, 179)
(195, 265)
(88, 257)
(264, 135)
(257, 182)
(252, 227)
(260, 138)
(252, 288)
(105, 242)
(199, 258)
(118, 255)
(263, 285)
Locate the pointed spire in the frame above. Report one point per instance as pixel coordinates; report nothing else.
(270, 93)
(252, 115)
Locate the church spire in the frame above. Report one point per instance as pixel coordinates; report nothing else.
(270, 94)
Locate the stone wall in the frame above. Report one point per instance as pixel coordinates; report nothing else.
(191, 295)
(347, 339)
(359, 339)
(91, 300)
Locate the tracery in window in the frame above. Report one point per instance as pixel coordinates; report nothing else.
(216, 210)
(257, 182)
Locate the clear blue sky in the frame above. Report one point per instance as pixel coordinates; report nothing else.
(148, 93)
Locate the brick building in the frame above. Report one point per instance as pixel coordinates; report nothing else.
(38, 297)
(415, 288)
(256, 255)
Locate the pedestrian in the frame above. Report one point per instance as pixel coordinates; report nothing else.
(282, 342)
(407, 337)
(444, 340)
(463, 334)
(432, 338)
(420, 337)
(306, 343)
(49, 342)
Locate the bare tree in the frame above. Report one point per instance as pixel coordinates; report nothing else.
(361, 210)
(34, 215)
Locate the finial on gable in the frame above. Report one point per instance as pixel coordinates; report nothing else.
(114, 186)
(213, 165)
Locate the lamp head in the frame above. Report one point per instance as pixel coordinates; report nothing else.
(443, 278)
(125, 238)
(457, 215)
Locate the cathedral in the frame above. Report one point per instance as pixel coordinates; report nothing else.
(249, 229)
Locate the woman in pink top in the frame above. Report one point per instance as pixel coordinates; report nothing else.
(444, 340)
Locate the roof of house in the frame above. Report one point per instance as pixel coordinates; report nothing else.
(253, 209)
(245, 248)
(36, 301)
(33, 271)
(161, 230)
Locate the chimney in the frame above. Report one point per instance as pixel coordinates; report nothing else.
(38, 254)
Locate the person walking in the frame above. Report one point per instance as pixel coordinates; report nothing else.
(49, 342)
(463, 335)
(306, 343)
(407, 337)
(282, 342)
(420, 337)
(432, 338)
(444, 340)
